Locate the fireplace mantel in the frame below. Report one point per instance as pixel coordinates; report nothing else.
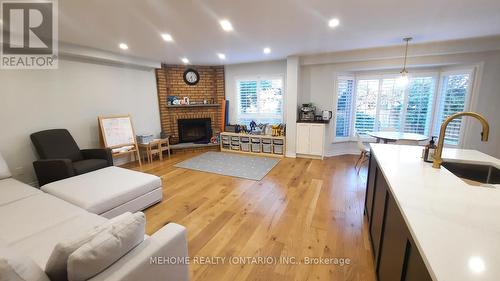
(194, 105)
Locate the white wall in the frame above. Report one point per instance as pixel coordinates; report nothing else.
(236, 71)
(318, 86)
(293, 85)
(71, 97)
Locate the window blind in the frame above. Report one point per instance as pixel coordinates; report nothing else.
(366, 105)
(454, 93)
(270, 96)
(247, 91)
(345, 89)
(419, 105)
(390, 105)
(260, 100)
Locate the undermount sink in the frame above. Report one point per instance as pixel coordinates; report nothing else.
(474, 174)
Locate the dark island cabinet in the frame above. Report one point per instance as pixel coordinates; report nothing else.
(395, 252)
(370, 184)
(378, 213)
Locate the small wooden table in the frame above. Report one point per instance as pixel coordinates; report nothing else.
(156, 146)
(395, 136)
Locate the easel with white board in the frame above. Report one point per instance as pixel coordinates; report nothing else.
(117, 133)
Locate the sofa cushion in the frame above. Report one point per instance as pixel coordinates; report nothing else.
(106, 247)
(12, 190)
(4, 169)
(89, 165)
(40, 246)
(31, 215)
(14, 267)
(102, 190)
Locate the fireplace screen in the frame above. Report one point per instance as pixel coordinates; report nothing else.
(195, 130)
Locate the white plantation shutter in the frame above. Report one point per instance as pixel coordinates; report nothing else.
(366, 105)
(271, 96)
(390, 105)
(454, 95)
(345, 88)
(379, 102)
(247, 91)
(260, 100)
(419, 105)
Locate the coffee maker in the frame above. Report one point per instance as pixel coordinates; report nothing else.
(307, 112)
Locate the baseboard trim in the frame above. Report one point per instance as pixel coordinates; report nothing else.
(310, 156)
(338, 153)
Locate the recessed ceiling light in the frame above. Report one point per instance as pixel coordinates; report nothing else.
(221, 56)
(333, 22)
(267, 50)
(226, 25)
(123, 46)
(167, 37)
(476, 265)
(185, 60)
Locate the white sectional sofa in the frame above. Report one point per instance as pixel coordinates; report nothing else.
(33, 222)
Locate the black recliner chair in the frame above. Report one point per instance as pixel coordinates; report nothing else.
(60, 156)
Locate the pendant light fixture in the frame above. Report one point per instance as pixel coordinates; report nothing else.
(403, 78)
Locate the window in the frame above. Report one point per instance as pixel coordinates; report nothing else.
(366, 106)
(454, 96)
(379, 103)
(419, 106)
(344, 97)
(260, 100)
(391, 101)
(385, 105)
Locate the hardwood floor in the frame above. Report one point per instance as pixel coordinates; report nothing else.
(302, 208)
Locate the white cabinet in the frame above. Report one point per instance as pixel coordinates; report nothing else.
(310, 140)
(303, 138)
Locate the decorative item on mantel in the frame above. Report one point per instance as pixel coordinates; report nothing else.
(171, 100)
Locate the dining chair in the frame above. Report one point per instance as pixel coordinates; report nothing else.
(364, 153)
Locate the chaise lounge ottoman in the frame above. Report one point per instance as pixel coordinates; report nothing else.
(110, 191)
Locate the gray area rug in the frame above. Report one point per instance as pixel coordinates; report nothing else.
(231, 164)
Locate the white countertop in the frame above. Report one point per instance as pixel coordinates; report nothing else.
(455, 226)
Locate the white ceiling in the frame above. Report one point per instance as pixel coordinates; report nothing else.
(289, 27)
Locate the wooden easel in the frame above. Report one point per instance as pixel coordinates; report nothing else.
(117, 132)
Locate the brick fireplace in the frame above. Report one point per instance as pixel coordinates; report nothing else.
(210, 87)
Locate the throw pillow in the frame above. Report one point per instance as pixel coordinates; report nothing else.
(106, 248)
(57, 265)
(4, 169)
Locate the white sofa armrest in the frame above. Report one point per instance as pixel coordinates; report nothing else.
(161, 257)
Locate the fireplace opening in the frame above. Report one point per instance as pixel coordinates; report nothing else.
(195, 130)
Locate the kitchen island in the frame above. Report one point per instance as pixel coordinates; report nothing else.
(428, 224)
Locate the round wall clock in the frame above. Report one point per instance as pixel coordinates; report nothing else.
(191, 76)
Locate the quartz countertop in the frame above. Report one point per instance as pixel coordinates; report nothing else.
(456, 226)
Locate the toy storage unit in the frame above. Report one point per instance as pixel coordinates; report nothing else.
(253, 144)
